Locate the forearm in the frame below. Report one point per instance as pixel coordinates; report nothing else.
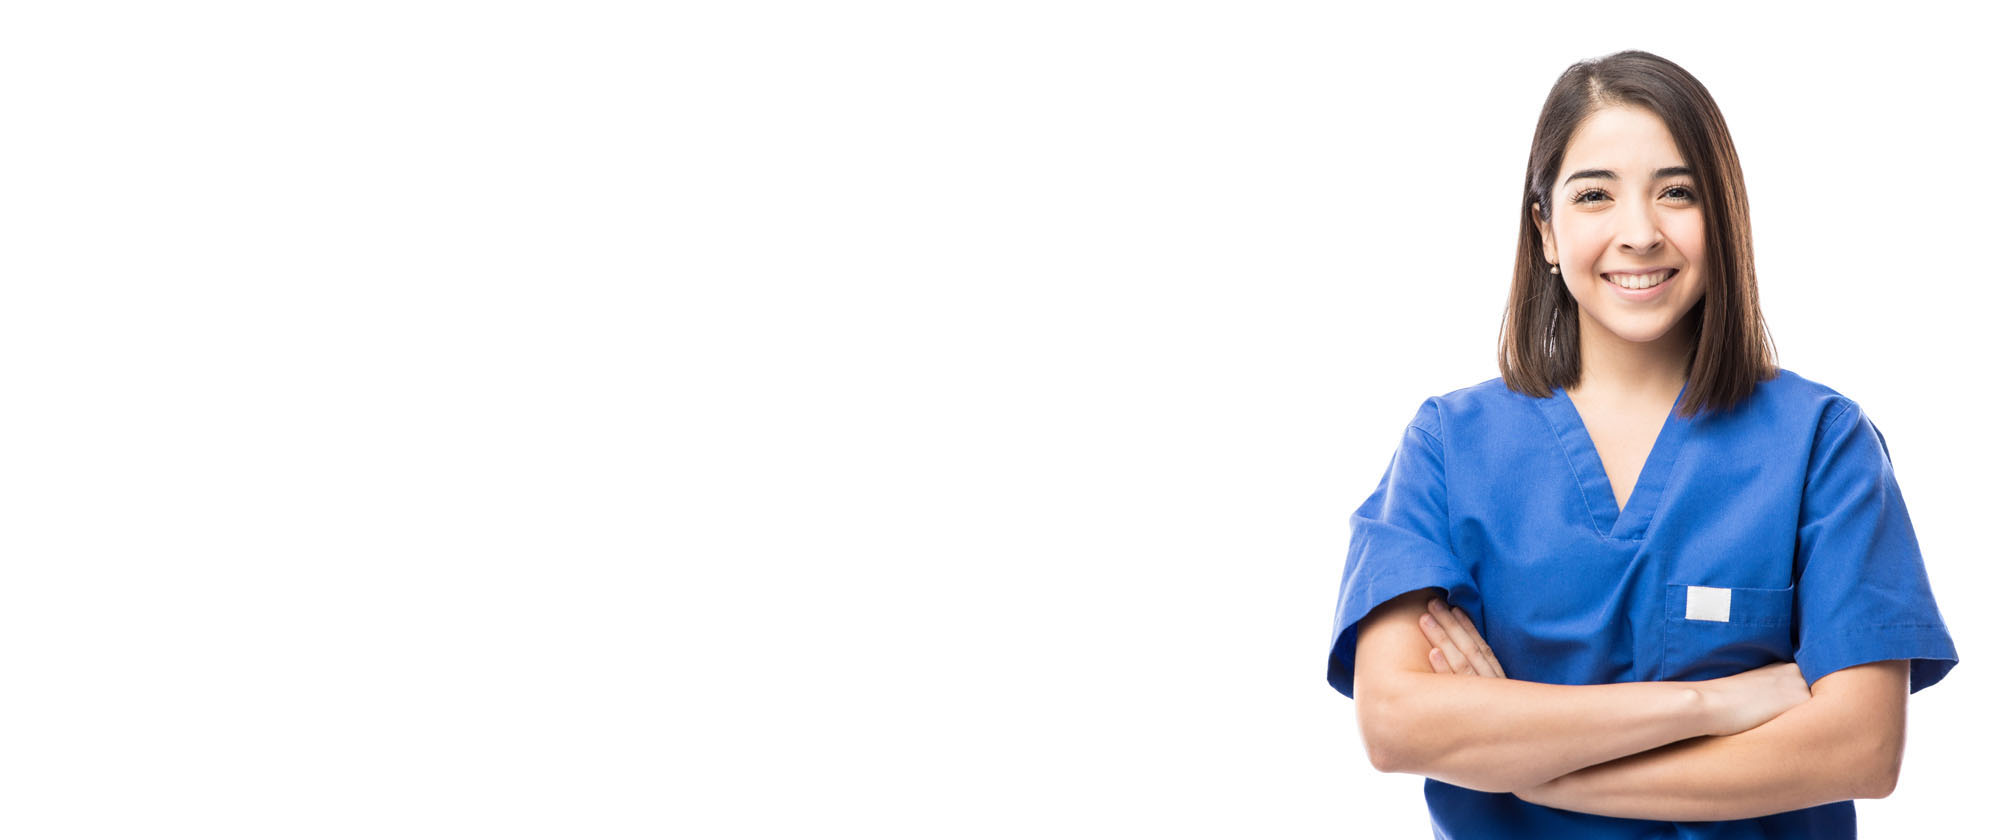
(1810, 755)
(1505, 734)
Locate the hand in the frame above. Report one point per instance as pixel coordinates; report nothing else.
(1458, 649)
(1746, 700)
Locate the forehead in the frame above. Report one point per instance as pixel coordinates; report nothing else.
(1628, 141)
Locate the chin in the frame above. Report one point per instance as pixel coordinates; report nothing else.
(1641, 337)
(1642, 331)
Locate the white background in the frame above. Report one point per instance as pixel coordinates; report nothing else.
(429, 419)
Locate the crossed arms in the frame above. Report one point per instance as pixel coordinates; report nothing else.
(1709, 750)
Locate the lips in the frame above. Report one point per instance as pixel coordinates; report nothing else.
(1670, 273)
(1645, 294)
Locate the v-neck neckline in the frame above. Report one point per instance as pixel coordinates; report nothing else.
(1594, 482)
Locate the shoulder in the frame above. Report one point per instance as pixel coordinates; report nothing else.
(1488, 404)
(1792, 410)
(1793, 402)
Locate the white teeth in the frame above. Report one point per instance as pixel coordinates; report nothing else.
(1639, 281)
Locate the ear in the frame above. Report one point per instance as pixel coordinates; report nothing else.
(1548, 234)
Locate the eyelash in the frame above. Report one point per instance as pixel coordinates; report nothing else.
(1577, 197)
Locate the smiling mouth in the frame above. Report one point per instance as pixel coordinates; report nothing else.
(1640, 282)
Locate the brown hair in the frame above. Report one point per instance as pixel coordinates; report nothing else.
(1538, 337)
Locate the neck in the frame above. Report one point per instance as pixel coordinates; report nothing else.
(1616, 367)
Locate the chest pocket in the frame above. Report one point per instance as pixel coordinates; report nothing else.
(1714, 631)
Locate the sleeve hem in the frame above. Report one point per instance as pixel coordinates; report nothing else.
(1374, 592)
(1928, 647)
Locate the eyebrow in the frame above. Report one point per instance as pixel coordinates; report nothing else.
(1613, 176)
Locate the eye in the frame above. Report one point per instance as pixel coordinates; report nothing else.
(1590, 195)
(1580, 197)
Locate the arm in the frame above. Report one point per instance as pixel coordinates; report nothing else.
(1844, 743)
(1499, 734)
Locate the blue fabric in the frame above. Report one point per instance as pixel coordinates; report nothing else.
(1789, 501)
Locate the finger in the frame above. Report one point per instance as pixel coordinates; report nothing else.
(1485, 650)
(1434, 624)
(1463, 634)
(1440, 642)
(1480, 653)
(1459, 638)
(1455, 661)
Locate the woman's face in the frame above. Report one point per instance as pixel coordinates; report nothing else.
(1620, 207)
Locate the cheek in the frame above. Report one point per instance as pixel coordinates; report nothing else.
(1583, 241)
(1688, 238)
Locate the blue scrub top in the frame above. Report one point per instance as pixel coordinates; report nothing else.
(1788, 501)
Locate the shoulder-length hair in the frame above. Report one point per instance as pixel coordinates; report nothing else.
(1538, 337)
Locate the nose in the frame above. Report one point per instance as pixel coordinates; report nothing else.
(1638, 229)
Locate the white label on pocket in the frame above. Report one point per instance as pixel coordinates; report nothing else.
(1708, 603)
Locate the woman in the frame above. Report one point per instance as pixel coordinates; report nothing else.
(1696, 566)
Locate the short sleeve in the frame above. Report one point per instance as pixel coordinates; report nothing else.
(1863, 595)
(1400, 542)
